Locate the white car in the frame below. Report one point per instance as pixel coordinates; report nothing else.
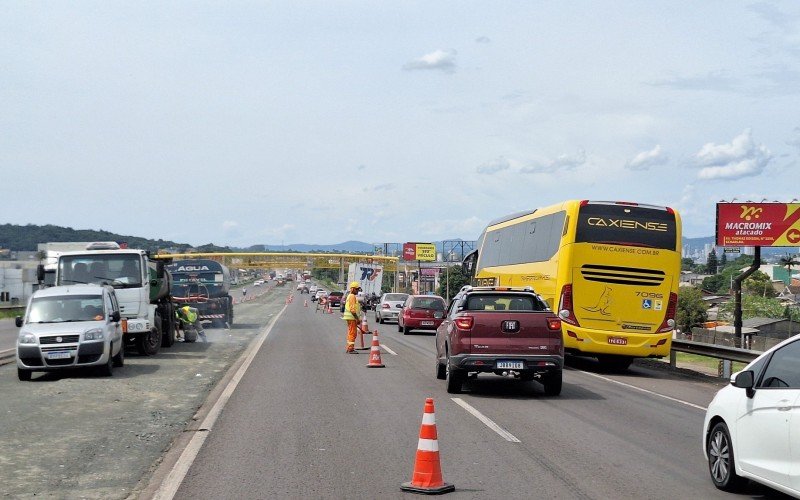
(752, 427)
(389, 306)
(70, 326)
(258, 282)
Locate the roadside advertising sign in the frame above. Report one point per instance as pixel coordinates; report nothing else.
(419, 251)
(758, 224)
(409, 251)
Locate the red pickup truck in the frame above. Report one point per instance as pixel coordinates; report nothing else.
(500, 330)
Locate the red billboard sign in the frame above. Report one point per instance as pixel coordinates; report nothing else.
(758, 224)
(409, 251)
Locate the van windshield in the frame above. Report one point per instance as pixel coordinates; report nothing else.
(66, 308)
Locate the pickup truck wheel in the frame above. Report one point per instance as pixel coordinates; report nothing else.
(454, 378)
(441, 370)
(552, 383)
(24, 375)
(149, 344)
(119, 359)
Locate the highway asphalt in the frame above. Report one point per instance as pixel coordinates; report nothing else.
(308, 421)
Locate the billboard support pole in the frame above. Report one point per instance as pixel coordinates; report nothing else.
(737, 290)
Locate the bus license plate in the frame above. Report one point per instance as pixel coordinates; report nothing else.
(59, 355)
(618, 340)
(426, 323)
(510, 365)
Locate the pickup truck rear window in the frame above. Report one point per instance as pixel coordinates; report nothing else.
(502, 302)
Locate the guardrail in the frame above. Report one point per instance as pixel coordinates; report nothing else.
(724, 353)
(8, 356)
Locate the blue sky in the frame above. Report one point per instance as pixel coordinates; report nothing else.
(323, 121)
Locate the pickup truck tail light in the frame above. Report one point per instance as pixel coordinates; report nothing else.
(553, 324)
(565, 311)
(669, 319)
(464, 323)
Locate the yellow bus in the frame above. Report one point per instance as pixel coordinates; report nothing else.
(610, 270)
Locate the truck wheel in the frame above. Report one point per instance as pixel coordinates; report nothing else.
(119, 359)
(149, 344)
(24, 375)
(552, 383)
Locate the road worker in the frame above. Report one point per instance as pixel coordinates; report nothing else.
(352, 315)
(190, 318)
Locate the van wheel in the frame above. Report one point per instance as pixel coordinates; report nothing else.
(119, 359)
(552, 383)
(24, 375)
(107, 369)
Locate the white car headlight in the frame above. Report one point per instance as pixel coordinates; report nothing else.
(27, 338)
(93, 334)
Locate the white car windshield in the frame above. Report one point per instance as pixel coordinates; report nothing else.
(66, 308)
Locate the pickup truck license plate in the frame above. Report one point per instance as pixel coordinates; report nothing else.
(618, 340)
(426, 323)
(59, 355)
(511, 365)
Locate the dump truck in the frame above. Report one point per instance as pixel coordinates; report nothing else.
(205, 285)
(142, 286)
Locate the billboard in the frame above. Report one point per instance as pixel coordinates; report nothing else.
(758, 224)
(419, 251)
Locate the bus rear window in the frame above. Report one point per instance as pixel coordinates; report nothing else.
(626, 225)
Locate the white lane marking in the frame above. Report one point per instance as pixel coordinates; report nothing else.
(629, 386)
(486, 420)
(388, 350)
(175, 478)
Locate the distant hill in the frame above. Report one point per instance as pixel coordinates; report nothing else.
(26, 238)
(346, 247)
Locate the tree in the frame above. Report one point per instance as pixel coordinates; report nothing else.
(711, 262)
(691, 308)
(723, 261)
(456, 277)
(759, 284)
(789, 261)
(687, 264)
(755, 306)
(714, 283)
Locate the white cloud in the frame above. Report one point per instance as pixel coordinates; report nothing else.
(493, 166)
(449, 228)
(647, 159)
(742, 157)
(795, 140)
(389, 186)
(444, 60)
(560, 163)
(483, 39)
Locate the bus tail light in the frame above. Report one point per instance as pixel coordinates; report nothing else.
(565, 307)
(464, 323)
(669, 319)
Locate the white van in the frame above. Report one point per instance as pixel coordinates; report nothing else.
(69, 327)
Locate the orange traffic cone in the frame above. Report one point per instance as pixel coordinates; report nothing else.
(375, 353)
(362, 330)
(427, 478)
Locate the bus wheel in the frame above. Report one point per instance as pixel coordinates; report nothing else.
(615, 363)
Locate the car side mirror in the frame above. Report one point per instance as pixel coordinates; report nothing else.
(115, 316)
(745, 380)
(18, 321)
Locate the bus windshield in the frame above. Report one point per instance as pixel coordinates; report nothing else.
(628, 225)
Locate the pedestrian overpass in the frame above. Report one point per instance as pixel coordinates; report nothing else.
(289, 260)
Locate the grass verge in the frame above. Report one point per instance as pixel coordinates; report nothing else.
(712, 364)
